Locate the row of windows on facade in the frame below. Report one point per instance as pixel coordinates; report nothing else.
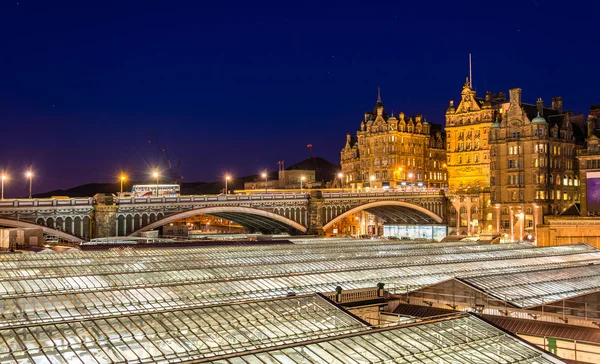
(410, 162)
(540, 195)
(401, 128)
(539, 132)
(467, 159)
(434, 176)
(540, 148)
(519, 179)
(463, 210)
(594, 163)
(555, 163)
(465, 186)
(470, 134)
(392, 148)
(391, 139)
(506, 223)
(467, 146)
(462, 121)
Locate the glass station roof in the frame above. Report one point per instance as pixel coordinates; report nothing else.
(527, 289)
(182, 304)
(286, 330)
(180, 279)
(460, 339)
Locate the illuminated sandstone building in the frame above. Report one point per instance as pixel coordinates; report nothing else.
(468, 154)
(390, 152)
(533, 166)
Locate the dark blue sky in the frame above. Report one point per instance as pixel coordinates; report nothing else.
(238, 85)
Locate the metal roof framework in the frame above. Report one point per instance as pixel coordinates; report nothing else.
(458, 339)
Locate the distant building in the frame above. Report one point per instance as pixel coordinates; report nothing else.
(390, 152)
(287, 179)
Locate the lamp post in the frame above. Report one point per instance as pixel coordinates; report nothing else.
(29, 175)
(227, 177)
(265, 176)
(3, 178)
(372, 179)
(521, 222)
(123, 178)
(410, 176)
(301, 180)
(340, 175)
(535, 210)
(155, 174)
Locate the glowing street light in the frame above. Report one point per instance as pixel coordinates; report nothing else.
(123, 178)
(3, 179)
(29, 175)
(340, 175)
(227, 178)
(265, 176)
(156, 175)
(301, 180)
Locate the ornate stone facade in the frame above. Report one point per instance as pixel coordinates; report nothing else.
(394, 152)
(533, 166)
(468, 153)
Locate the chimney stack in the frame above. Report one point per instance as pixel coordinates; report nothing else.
(540, 106)
(557, 104)
(592, 122)
(515, 95)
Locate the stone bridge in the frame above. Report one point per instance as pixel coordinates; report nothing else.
(79, 219)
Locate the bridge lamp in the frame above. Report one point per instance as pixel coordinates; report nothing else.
(265, 176)
(3, 179)
(123, 178)
(29, 175)
(301, 180)
(156, 175)
(340, 175)
(227, 178)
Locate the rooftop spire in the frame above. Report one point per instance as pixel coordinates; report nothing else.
(378, 94)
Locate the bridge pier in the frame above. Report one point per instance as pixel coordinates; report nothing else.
(105, 219)
(315, 214)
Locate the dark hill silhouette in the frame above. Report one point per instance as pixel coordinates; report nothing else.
(325, 172)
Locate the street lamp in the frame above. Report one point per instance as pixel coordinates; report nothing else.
(265, 176)
(29, 175)
(340, 175)
(372, 178)
(227, 178)
(3, 178)
(123, 178)
(301, 180)
(155, 174)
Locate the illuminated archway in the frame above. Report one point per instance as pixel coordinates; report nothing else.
(421, 211)
(252, 218)
(45, 229)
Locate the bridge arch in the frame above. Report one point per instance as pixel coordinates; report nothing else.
(374, 206)
(45, 229)
(245, 216)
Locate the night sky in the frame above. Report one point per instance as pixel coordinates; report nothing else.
(238, 85)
